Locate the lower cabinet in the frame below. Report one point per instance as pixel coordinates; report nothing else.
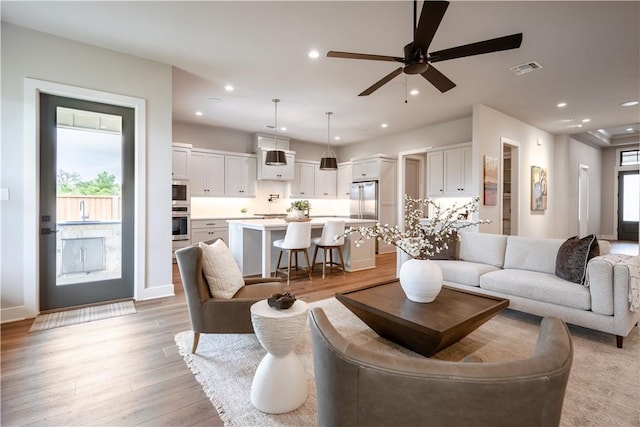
(203, 230)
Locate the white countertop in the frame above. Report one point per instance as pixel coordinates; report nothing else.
(281, 224)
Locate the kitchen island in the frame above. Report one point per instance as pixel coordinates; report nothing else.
(251, 243)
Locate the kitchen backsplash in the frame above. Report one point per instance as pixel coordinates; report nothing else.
(214, 207)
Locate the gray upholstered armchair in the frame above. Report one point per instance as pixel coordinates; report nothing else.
(214, 315)
(358, 387)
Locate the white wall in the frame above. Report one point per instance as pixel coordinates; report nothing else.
(447, 133)
(36, 55)
(560, 154)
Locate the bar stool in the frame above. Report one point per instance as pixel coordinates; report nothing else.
(297, 239)
(328, 242)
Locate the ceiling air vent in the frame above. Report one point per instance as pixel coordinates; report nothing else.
(527, 67)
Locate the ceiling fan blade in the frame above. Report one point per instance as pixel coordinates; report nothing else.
(439, 80)
(349, 55)
(377, 85)
(430, 18)
(487, 46)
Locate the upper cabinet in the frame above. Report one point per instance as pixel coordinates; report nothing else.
(219, 174)
(275, 173)
(240, 175)
(303, 185)
(180, 160)
(449, 172)
(366, 169)
(207, 173)
(345, 177)
(325, 183)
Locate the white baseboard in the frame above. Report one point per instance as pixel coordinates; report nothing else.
(157, 292)
(607, 237)
(15, 314)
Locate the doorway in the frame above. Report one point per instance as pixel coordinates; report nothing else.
(510, 187)
(87, 208)
(628, 204)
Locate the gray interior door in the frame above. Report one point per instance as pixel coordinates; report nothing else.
(86, 217)
(628, 205)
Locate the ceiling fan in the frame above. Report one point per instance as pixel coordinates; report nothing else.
(416, 58)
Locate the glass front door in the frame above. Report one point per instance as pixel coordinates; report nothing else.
(628, 205)
(86, 202)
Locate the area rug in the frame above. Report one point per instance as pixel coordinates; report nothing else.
(602, 391)
(82, 315)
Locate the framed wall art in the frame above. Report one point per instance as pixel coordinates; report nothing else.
(490, 188)
(539, 185)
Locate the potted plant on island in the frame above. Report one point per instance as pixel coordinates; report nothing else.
(421, 278)
(299, 209)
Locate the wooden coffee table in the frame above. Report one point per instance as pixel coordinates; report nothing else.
(425, 328)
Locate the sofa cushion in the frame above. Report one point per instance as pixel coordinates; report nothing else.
(537, 286)
(463, 272)
(573, 256)
(532, 253)
(483, 248)
(220, 269)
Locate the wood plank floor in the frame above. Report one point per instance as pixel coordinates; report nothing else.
(125, 370)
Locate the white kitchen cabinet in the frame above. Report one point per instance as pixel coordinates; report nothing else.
(457, 172)
(240, 176)
(345, 177)
(366, 169)
(207, 173)
(180, 160)
(435, 174)
(203, 230)
(449, 172)
(303, 185)
(325, 183)
(275, 173)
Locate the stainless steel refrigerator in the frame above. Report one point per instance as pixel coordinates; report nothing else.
(364, 200)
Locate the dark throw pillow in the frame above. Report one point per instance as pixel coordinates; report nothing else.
(573, 256)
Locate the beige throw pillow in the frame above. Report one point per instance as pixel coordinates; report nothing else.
(220, 270)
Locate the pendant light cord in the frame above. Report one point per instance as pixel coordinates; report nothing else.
(275, 134)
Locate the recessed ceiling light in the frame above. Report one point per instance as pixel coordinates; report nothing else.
(313, 54)
(229, 88)
(562, 104)
(586, 120)
(629, 103)
(578, 126)
(337, 138)
(566, 120)
(629, 129)
(283, 128)
(414, 92)
(199, 113)
(384, 125)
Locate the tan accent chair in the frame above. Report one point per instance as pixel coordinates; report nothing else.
(215, 315)
(359, 387)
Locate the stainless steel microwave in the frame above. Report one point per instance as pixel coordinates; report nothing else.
(180, 192)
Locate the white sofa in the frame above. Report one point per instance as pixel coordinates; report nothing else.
(522, 269)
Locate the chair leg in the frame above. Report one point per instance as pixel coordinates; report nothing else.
(315, 254)
(289, 267)
(331, 260)
(324, 260)
(196, 340)
(306, 255)
(275, 274)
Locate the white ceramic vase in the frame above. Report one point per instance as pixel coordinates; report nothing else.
(421, 279)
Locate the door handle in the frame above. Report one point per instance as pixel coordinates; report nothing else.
(47, 230)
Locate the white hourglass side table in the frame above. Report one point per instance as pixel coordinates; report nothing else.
(280, 382)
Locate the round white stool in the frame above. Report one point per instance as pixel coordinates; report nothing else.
(280, 383)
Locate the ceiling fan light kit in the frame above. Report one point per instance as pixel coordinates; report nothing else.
(328, 162)
(275, 157)
(417, 60)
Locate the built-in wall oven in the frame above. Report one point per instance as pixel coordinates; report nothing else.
(180, 193)
(180, 223)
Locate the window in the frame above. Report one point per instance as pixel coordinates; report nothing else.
(630, 157)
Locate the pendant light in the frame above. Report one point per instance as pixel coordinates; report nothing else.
(276, 157)
(328, 162)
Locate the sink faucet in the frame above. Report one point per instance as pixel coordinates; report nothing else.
(85, 215)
